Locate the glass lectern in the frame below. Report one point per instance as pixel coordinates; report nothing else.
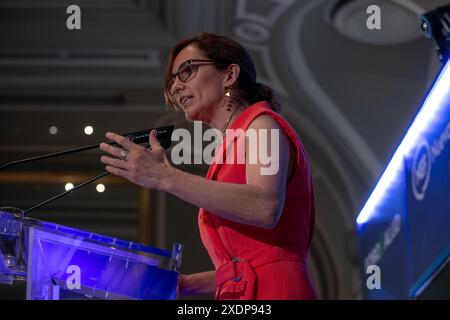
(59, 262)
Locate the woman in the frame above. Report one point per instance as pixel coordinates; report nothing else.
(257, 228)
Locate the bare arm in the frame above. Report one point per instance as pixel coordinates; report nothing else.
(258, 203)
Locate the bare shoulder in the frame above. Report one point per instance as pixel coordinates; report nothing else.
(264, 121)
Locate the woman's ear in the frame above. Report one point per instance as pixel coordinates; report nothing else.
(232, 74)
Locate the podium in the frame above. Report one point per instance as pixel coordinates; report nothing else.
(60, 263)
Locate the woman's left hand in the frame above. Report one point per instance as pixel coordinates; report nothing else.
(148, 168)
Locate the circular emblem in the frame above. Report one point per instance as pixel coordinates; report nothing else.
(421, 170)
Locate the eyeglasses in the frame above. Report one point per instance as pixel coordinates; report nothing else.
(187, 70)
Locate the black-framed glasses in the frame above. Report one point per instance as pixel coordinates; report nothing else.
(187, 70)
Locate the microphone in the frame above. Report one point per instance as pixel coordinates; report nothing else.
(163, 134)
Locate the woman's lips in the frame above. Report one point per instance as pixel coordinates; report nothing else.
(185, 101)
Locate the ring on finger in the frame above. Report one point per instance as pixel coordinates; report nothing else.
(124, 154)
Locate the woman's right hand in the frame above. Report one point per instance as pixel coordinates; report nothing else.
(181, 290)
(203, 283)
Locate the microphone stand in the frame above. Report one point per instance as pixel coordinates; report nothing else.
(50, 155)
(163, 134)
(65, 192)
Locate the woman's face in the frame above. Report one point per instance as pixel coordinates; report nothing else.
(203, 93)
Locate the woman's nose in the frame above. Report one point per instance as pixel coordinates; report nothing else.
(176, 86)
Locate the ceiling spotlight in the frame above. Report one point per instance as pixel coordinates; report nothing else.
(68, 186)
(53, 130)
(100, 187)
(88, 130)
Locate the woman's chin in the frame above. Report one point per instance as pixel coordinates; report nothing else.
(190, 115)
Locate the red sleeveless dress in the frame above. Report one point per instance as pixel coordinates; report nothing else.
(257, 263)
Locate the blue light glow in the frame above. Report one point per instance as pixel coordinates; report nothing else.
(428, 114)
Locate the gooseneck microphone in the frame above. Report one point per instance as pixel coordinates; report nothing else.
(163, 134)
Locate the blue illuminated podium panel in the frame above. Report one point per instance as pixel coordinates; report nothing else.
(66, 263)
(428, 190)
(404, 227)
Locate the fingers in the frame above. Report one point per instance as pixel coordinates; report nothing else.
(115, 151)
(116, 165)
(153, 140)
(121, 140)
(113, 162)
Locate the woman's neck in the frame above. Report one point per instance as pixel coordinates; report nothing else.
(224, 119)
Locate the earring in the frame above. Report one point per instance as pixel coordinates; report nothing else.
(228, 95)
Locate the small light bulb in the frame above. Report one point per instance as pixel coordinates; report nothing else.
(88, 130)
(53, 130)
(68, 186)
(100, 187)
